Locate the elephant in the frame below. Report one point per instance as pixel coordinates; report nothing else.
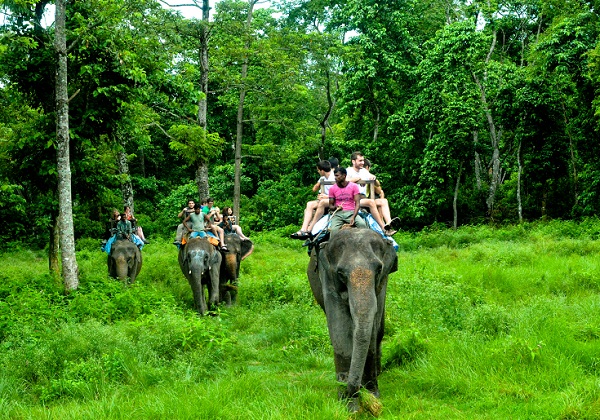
(124, 260)
(200, 263)
(230, 267)
(348, 277)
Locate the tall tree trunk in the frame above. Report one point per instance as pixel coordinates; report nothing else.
(143, 162)
(126, 186)
(202, 170)
(455, 200)
(520, 171)
(70, 270)
(202, 180)
(204, 38)
(495, 136)
(377, 119)
(477, 161)
(572, 151)
(240, 117)
(54, 247)
(325, 120)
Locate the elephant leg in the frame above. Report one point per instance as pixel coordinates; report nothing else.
(213, 287)
(339, 323)
(373, 364)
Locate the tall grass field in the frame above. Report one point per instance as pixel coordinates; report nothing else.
(481, 323)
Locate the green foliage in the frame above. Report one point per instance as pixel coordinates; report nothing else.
(276, 204)
(494, 321)
(221, 183)
(166, 221)
(193, 143)
(490, 320)
(12, 212)
(404, 348)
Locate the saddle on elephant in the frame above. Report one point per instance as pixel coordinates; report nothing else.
(321, 231)
(208, 235)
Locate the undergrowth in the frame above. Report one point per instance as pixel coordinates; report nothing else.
(480, 323)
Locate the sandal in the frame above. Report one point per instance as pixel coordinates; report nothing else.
(390, 232)
(300, 235)
(394, 225)
(224, 248)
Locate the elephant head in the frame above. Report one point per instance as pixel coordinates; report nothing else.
(230, 267)
(124, 260)
(348, 277)
(200, 263)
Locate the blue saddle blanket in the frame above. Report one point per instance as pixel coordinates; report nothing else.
(323, 223)
(134, 238)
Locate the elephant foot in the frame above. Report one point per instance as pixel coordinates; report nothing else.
(352, 402)
(361, 402)
(373, 388)
(342, 376)
(353, 405)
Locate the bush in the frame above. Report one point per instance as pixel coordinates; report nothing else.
(277, 204)
(403, 348)
(166, 221)
(490, 321)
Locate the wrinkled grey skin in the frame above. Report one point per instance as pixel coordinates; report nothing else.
(124, 260)
(348, 277)
(200, 263)
(230, 267)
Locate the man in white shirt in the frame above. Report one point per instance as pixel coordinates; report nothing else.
(357, 173)
(319, 205)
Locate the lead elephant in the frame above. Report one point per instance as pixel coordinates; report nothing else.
(200, 263)
(230, 267)
(348, 276)
(124, 260)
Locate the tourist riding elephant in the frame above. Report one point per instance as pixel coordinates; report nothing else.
(124, 260)
(230, 267)
(348, 276)
(200, 263)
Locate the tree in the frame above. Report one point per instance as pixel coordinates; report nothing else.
(67, 238)
(195, 145)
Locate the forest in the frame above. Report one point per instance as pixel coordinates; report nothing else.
(480, 119)
(472, 112)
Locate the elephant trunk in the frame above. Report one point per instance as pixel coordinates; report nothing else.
(196, 272)
(363, 309)
(122, 269)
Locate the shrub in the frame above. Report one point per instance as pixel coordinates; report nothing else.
(277, 204)
(490, 320)
(403, 348)
(166, 220)
(434, 304)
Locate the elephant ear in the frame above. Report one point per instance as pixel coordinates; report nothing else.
(323, 263)
(246, 248)
(183, 257)
(214, 256)
(138, 259)
(390, 258)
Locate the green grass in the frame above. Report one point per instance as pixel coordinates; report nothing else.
(482, 323)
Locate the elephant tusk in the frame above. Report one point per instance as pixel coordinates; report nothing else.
(190, 272)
